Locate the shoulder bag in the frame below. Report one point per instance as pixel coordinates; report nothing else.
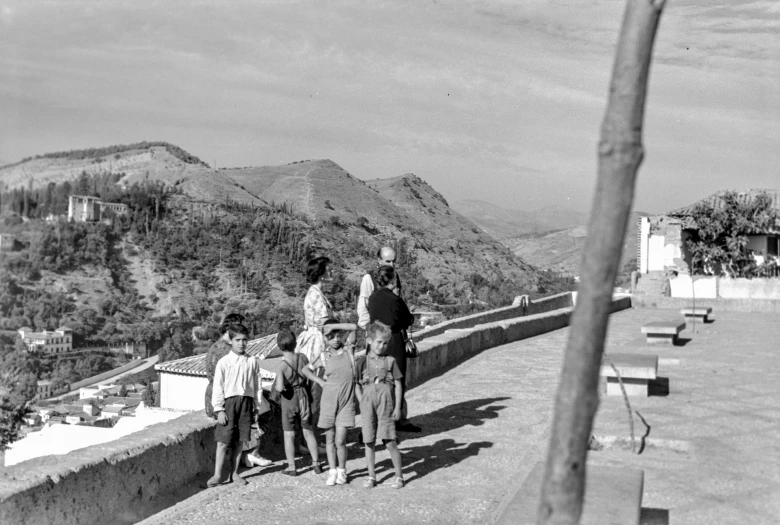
(411, 347)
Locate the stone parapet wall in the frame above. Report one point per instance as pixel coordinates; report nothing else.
(97, 484)
(725, 305)
(545, 304)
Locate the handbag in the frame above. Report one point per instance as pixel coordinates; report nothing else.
(411, 347)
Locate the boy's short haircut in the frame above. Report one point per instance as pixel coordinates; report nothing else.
(377, 328)
(238, 328)
(385, 275)
(230, 319)
(285, 340)
(316, 269)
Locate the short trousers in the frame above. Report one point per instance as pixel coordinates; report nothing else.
(239, 410)
(376, 411)
(291, 411)
(337, 407)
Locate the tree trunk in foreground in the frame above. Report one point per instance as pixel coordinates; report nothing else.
(620, 154)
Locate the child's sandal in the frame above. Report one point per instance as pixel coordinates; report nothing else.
(369, 483)
(398, 483)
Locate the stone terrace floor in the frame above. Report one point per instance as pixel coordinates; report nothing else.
(712, 454)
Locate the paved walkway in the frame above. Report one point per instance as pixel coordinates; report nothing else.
(715, 458)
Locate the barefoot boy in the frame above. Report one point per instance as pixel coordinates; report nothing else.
(380, 401)
(236, 391)
(295, 402)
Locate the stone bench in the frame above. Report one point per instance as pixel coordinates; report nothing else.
(663, 332)
(700, 311)
(613, 496)
(636, 371)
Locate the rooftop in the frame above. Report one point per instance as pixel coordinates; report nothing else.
(196, 365)
(714, 201)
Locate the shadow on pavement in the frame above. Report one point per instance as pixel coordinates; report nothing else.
(650, 516)
(456, 416)
(658, 387)
(419, 461)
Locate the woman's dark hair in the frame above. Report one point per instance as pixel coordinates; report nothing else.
(316, 269)
(385, 275)
(229, 320)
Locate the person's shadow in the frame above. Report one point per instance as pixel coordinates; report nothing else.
(455, 416)
(424, 459)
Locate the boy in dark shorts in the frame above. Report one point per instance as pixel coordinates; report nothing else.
(380, 401)
(294, 399)
(234, 397)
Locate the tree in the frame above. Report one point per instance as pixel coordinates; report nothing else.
(719, 246)
(620, 154)
(14, 406)
(150, 396)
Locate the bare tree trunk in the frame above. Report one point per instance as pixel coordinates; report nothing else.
(620, 154)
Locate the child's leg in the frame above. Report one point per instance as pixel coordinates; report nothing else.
(218, 464)
(395, 456)
(330, 442)
(289, 448)
(341, 446)
(370, 459)
(237, 448)
(311, 442)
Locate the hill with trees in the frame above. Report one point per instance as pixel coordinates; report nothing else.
(198, 243)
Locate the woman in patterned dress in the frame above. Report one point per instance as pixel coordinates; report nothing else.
(316, 310)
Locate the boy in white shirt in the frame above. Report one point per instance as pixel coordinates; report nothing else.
(235, 395)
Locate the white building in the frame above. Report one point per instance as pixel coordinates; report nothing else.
(61, 439)
(58, 341)
(45, 389)
(6, 242)
(183, 382)
(85, 208)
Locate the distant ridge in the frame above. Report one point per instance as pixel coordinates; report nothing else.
(92, 153)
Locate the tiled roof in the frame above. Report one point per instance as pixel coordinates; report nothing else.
(716, 202)
(196, 365)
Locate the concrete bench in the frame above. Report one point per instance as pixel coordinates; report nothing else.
(613, 495)
(636, 371)
(700, 311)
(663, 332)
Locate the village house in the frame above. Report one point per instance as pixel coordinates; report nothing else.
(664, 260)
(54, 342)
(45, 388)
(84, 208)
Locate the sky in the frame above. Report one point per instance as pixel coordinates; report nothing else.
(493, 100)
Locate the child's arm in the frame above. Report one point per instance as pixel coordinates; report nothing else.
(308, 374)
(398, 394)
(279, 381)
(218, 395)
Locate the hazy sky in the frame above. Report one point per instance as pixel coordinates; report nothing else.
(491, 100)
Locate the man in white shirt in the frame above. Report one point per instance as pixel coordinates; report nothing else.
(385, 256)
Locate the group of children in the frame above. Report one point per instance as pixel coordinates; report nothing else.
(375, 381)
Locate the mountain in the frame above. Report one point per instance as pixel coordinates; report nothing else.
(561, 251)
(196, 236)
(144, 160)
(498, 222)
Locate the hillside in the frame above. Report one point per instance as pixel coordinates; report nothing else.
(152, 160)
(199, 242)
(561, 251)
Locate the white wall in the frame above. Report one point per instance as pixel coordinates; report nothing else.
(182, 392)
